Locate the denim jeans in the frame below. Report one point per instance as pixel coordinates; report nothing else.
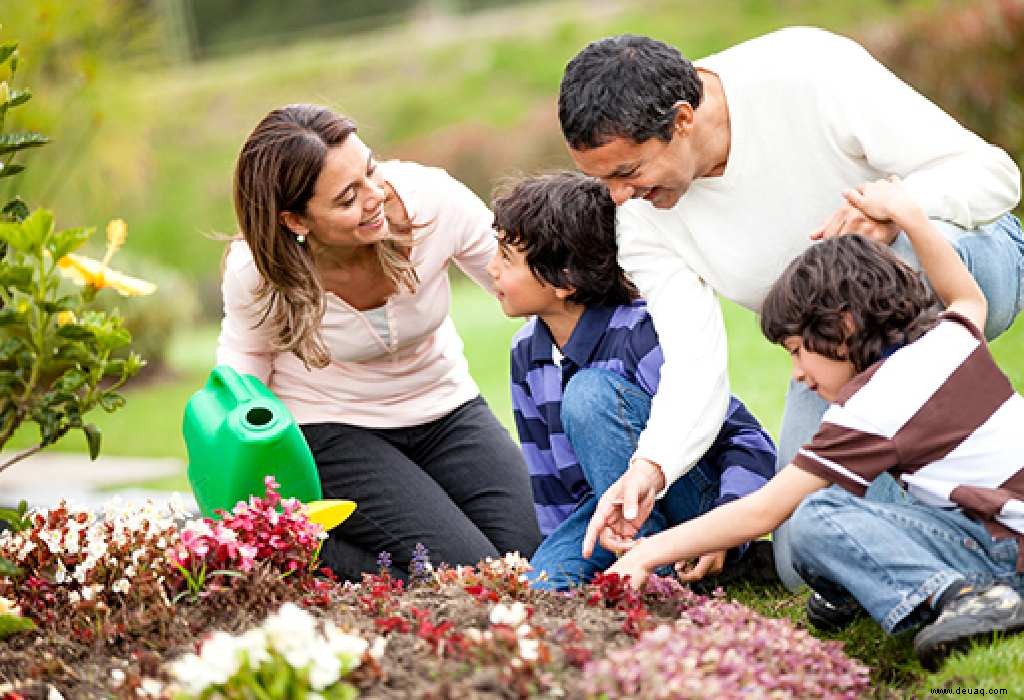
(994, 254)
(603, 415)
(892, 552)
(457, 484)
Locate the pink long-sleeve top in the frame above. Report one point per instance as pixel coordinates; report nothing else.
(416, 375)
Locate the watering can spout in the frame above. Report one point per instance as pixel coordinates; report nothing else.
(237, 433)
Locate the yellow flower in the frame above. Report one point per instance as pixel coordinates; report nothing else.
(89, 271)
(83, 270)
(66, 317)
(117, 232)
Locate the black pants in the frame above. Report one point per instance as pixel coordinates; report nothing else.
(458, 485)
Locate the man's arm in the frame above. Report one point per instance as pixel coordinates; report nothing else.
(950, 172)
(693, 390)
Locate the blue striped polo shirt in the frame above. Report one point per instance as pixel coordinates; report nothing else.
(620, 339)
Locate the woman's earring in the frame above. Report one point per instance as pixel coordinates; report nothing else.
(300, 238)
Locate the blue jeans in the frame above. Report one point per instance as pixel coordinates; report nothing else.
(892, 552)
(994, 254)
(603, 415)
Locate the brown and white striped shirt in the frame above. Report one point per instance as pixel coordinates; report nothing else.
(942, 418)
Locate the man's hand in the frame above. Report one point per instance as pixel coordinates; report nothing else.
(883, 200)
(624, 508)
(711, 563)
(849, 219)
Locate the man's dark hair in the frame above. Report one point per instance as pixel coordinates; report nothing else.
(624, 86)
(564, 224)
(887, 301)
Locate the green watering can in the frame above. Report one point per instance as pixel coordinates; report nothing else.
(237, 432)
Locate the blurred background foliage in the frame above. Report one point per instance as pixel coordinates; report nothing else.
(147, 102)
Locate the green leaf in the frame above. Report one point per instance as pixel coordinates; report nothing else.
(73, 331)
(7, 568)
(20, 140)
(9, 316)
(112, 401)
(15, 209)
(19, 97)
(69, 239)
(92, 437)
(38, 227)
(18, 276)
(12, 624)
(72, 380)
(15, 235)
(11, 169)
(6, 50)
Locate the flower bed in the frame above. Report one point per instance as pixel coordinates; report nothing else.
(133, 603)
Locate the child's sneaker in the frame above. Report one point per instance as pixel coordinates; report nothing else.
(972, 613)
(832, 617)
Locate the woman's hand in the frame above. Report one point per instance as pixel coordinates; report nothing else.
(710, 563)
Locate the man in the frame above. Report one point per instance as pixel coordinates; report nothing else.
(726, 171)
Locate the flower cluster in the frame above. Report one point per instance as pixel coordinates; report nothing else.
(724, 650)
(286, 539)
(80, 565)
(290, 650)
(491, 579)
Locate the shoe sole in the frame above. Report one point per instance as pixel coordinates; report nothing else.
(932, 649)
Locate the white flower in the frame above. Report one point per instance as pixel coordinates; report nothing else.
(324, 669)
(529, 648)
(74, 597)
(254, 645)
(53, 694)
(52, 540)
(378, 647)
(26, 549)
(117, 676)
(513, 615)
(9, 607)
(60, 576)
(121, 585)
(150, 688)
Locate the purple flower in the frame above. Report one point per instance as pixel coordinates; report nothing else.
(420, 567)
(383, 561)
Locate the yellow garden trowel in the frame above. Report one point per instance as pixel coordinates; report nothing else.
(237, 434)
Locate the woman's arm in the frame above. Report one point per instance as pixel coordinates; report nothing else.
(240, 345)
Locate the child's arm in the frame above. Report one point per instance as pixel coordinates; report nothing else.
(724, 527)
(744, 457)
(888, 201)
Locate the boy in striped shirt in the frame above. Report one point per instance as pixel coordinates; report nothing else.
(916, 402)
(583, 371)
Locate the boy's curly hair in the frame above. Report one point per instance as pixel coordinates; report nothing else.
(885, 299)
(564, 224)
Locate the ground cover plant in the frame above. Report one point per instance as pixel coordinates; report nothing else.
(138, 602)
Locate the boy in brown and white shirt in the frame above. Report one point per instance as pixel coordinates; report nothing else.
(916, 402)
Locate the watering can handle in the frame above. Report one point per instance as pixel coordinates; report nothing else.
(232, 381)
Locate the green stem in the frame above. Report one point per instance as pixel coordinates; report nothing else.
(28, 452)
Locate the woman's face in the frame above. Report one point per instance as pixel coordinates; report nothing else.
(347, 206)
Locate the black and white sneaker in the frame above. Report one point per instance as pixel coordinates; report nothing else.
(972, 613)
(832, 617)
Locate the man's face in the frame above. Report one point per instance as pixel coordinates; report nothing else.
(655, 170)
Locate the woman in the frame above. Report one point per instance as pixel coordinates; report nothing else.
(338, 299)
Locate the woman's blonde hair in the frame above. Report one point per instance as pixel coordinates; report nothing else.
(276, 172)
